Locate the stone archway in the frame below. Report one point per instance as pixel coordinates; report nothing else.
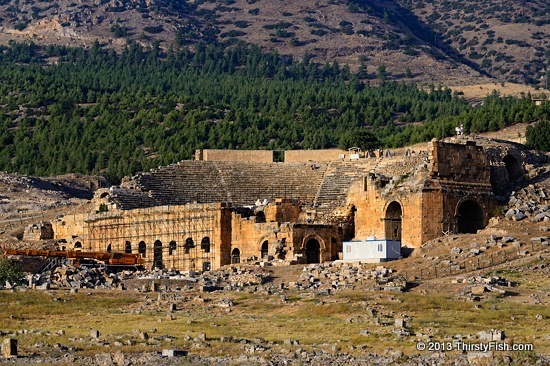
(157, 254)
(77, 246)
(235, 256)
(513, 167)
(393, 221)
(172, 247)
(127, 247)
(142, 249)
(313, 251)
(205, 244)
(469, 217)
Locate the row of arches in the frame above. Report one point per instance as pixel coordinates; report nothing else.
(312, 250)
(158, 248)
(469, 218)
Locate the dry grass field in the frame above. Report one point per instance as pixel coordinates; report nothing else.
(54, 322)
(505, 89)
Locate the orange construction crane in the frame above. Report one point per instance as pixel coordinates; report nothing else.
(109, 258)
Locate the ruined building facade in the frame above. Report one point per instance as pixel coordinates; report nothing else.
(229, 207)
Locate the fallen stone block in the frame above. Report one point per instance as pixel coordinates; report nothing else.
(539, 240)
(173, 353)
(478, 290)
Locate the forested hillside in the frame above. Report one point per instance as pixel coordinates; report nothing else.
(72, 110)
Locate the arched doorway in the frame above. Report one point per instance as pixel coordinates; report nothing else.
(513, 167)
(393, 221)
(188, 245)
(127, 247)
(235, 256)
(172, 247)
(205, 244)
(157, 254)
(142, 249)
(78, 246)
(265, 249)
(469, 217)
(313, 251)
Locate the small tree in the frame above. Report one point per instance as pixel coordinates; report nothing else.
(10, 272)
(382, 73)
(363, 139)
(538, 136)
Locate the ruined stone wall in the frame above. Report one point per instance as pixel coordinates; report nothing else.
(249, 238)
(327, 236)
(430, 198)
(301, 156)
(68, 227)
(283, 210)
(185, 237)
(40, 231)
(257, 156)
(457, 162)
(371, 215)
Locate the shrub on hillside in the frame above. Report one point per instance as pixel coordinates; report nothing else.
(10, 272)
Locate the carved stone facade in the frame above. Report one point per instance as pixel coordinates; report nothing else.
(450, 192)
(197, 215)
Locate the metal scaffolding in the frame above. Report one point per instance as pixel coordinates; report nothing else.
(179, 237)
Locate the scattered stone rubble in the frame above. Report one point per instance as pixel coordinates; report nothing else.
(70, 276)
(479, 285)
(530, 202)
(257, 355)
(337, 276)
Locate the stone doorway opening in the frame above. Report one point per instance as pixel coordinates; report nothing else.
(157, 254)
(393, 221)
(513, 167)
(313, 251)
(469, 217)
(235, 256)
(265, 249)
(142, 249)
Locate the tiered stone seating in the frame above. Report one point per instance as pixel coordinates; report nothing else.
(247, 182)
(240, 183)
(397, 166)
(129, 199)
(323, 185)
(334, 188)
(186, 182)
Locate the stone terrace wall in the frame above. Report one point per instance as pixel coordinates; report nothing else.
(302, 156)
(258, 156)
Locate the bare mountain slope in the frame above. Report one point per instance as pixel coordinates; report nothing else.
(443, 41)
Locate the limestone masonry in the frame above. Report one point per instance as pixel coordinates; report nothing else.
(237, 206)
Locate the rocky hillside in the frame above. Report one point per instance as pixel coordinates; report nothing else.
(442, 41)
